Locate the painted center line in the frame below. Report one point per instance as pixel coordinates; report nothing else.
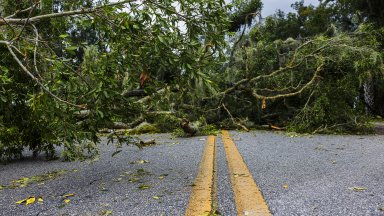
(200, 202)
(248, 198)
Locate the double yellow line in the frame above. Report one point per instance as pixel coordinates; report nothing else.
(248, 198)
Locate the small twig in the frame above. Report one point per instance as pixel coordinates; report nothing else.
(322, 128)
(145, 99)
(9, 25)
(309, 98)
(22, 11)
(26, 21)
(35, 50)
(185, 18)
(22, 21)
(233, 120)
(17, 50)
(285, 89)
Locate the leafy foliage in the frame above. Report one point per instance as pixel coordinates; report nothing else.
(243, 13)
(86, 63)
(64, 76)
(333, 98)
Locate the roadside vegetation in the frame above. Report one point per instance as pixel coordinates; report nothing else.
(72, 69)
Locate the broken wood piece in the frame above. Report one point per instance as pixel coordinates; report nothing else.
(105, 130)
(275, 127)
(120, 125)
(147, 142)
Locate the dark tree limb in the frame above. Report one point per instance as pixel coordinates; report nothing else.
(35, 19)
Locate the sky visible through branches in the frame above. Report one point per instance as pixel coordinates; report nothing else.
(270, 6)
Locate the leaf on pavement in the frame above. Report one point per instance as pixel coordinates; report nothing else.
(103, 189)
(162, 176)
(68, 195)
(30, 200)
(106, 213)
(40, 200)
(116, 152)
(140, 162)
(358, 189)
(285, 186)
(38, 179)
(67, 201)
(156, 197)
(143, 187)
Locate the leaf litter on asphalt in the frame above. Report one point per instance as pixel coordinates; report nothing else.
(144, 187)
(139, 162)
(106, 212)
(37, 179)
(68, 195)
(27, 201)
(357, 189)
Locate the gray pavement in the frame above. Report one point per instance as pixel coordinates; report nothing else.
(224, 194)
(298, 175)
(316, 175)
(110, 185)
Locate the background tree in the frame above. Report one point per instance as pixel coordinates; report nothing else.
(299, 70)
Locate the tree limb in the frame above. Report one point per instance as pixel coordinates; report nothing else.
(35, 50)
(314, 78)
(233, 120)
(22, 11)
(23, 21)
(289, 66)
(26, 22)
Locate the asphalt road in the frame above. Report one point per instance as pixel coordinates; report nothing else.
(316, 175)
(308, 175)
(116, 186)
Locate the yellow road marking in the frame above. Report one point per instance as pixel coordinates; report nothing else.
(200, 202)
(248, 198)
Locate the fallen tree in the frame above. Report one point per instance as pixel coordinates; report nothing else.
(70, 68)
